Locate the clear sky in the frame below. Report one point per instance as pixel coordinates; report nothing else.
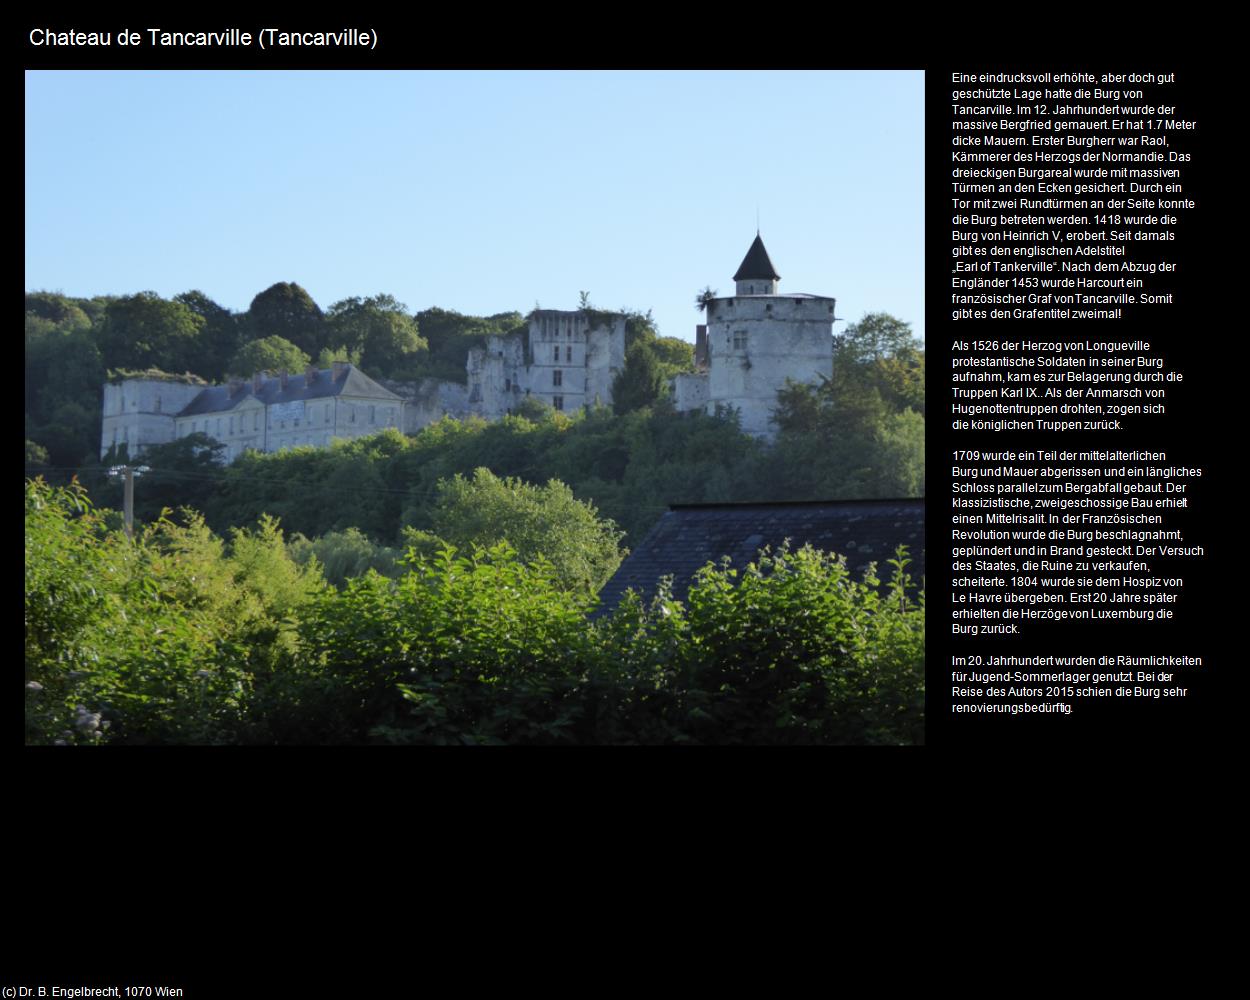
(478, 191)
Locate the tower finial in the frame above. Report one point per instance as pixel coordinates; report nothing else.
(757, 220)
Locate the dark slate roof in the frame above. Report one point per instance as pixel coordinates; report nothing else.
(351, 382)
(688, 537)
(756, 265)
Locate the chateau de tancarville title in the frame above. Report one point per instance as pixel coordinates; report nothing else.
(226, 38)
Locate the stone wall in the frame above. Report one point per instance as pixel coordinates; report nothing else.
(140, 412)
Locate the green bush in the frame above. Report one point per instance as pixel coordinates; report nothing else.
(183, 637)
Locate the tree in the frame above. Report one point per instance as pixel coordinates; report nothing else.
(641, 381)
(880, 352)
(146, 331)
(286, 310)
(270, 354)
(379, 327)
(57, 309)
(181, 473)
(704, 297)
(545, 521)
(220, 337)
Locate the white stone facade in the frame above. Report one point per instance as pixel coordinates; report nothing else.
(755, 343)
(265, 413)
(139, 412)
(568, 359)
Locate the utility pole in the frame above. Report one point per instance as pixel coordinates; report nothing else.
(128, 493)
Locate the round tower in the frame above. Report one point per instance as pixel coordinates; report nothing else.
(758, 340)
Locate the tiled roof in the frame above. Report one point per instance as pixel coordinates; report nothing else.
(688, 537)
(351, 382)
(756, 265)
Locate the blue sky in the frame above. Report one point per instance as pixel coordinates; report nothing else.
(478, 191)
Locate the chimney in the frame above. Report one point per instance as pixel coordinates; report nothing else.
(310, 375)
(340, 370)
(700, 346)
(282, 378)
(258, 379)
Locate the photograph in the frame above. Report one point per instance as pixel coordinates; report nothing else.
(474, 407)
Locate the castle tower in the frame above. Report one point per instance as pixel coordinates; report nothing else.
(758, 340)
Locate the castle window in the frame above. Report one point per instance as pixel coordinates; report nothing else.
(232, 425)
(750, 289)
(327, 412)
(557, 402)
(740, 340)
(256, 421)
(568, 354)
(768, 308)
(372, 414)
(557, 377)
(507, 385)
(557, 354)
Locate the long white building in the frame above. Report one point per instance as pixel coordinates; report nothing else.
(264, 413)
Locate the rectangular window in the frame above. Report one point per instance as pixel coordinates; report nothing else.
(557, 402)
(256, 421)
(740, 340)
(557, 377)
(327, 413)
(232, 425)
(568, 354)
(557, 355)
(372, 414)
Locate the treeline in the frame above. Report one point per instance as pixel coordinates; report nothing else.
(73, 344)
(184, 637)
(859, 435)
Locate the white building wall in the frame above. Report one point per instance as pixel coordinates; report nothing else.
(140, 412)
(757, 343)
(428, 400)
(690, 391)
(561, 357)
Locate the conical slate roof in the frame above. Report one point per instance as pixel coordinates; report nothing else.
(755, 265)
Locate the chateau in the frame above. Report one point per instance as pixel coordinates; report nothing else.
(264, 413)
(751, 345)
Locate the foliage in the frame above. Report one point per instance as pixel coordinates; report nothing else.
(156, 641)
(182, 473)
(379, 328)
(220, 337)
(269, 354)
(285, 310)
(145, 330)
(861, 432)
(345, 555)
(640, 383)
(450, 336)
(181, 637)
(545, 522)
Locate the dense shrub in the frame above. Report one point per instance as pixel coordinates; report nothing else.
(182, 637)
